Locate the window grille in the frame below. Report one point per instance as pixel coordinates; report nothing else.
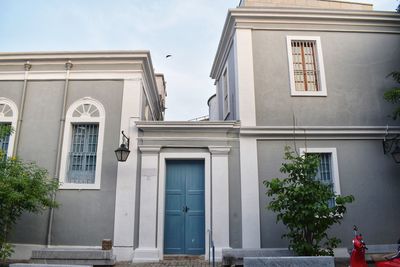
(305, 66)
(82, 156)
(324, 174)
(5, 140)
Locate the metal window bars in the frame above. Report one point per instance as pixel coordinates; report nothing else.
(83, 154)
(305, 65)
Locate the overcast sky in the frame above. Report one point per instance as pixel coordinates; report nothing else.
(189, 30)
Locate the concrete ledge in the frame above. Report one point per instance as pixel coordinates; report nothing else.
(56, 253)
(146, 255)
(289, 261)
(45, 265)
(73, 256)
(235, 256)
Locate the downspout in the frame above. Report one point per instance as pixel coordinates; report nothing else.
(68, 67)
(27, 67)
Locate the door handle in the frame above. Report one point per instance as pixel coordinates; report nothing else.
(185, 209)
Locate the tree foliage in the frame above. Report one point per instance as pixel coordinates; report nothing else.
(393, 95)
(301, 203)
(24, 187)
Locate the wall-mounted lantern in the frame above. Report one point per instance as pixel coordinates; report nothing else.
(123, 151)
(388, 145)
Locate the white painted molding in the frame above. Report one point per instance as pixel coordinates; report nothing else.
(318, 132)
(74, 75)
(125, 192)
(149, 149)
(10, 119)
(321, 81)
(181, 138)
(70, 119)
(146, 125)
(219, 150)
(251, 231)
(245, 79)
(334, 163)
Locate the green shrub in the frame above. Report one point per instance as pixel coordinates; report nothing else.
(301, 203)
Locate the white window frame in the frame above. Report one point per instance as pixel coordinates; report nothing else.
(69, 121)
(12, 120)
(320, 65)
(225, 86)
(334, 163)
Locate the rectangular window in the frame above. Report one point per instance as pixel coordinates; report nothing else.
(307, 77)
(5, 140)
(82, 156)
(225, 88)
(328, 170)
(324, 174)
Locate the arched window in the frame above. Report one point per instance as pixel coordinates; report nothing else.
(83, 145)
(8, 116)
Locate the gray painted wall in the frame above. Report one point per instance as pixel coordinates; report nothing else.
(84, 217)
(364, 172)
(356, 66)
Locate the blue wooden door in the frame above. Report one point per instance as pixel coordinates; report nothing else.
(184, 224)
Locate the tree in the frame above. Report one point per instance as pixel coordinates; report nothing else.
(393, 95)
(24, 187)
(301, 203)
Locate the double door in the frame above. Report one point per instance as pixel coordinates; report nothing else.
(184, 224)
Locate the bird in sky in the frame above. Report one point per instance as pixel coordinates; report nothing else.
(167, 56)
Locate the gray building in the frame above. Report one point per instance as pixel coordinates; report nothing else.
(311, 75)
(308, 74)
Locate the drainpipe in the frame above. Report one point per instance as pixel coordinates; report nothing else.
(68, 67)
(27, 67)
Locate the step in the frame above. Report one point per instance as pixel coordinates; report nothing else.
(73, 256)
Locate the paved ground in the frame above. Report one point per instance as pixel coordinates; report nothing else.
(169, 263)
(197, 263)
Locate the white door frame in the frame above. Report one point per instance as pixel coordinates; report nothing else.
(161, 194)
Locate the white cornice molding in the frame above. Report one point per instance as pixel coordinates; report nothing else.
(270, 18)
(219, 150)
(70, 55)
(73, 75)
(186, 125)
(319, 132)
(149, 149)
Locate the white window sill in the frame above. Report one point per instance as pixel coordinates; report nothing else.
(320, 93)
(70, 186)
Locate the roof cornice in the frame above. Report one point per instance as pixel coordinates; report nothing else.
(63, 55)
(324, 19)
(186, 125)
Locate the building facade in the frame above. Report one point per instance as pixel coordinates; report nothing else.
(309, 76)
(68, 111)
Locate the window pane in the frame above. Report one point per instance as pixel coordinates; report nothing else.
(324, 174)
(305, 65)
(5, 140)
(82, 156)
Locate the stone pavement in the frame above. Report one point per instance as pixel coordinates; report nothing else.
(198, 263)
(169, 263)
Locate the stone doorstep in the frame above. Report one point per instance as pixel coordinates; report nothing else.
(90, 262)
(73, 256)
(95, 254)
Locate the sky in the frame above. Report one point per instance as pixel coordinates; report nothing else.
(189, 30)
